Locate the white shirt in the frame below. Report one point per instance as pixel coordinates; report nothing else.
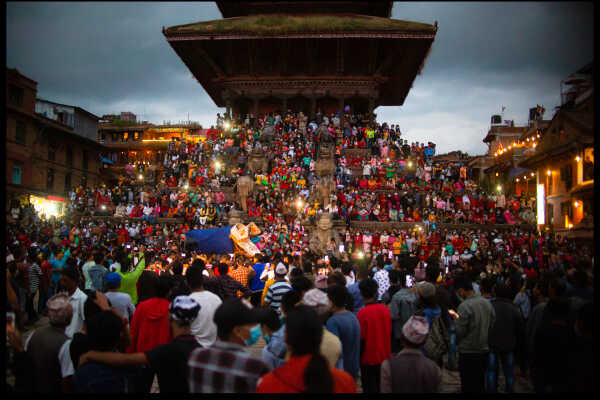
(64, 357)
(203, 327)
(77, 301)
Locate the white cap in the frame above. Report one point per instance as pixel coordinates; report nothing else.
(280, 269)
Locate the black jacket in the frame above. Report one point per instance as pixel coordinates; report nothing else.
(509, 325)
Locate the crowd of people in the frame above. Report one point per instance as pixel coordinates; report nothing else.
(129, 301)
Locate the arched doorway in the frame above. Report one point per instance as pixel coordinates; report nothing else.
(328, 105)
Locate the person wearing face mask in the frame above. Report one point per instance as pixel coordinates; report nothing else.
(226, 366)
(474, 317)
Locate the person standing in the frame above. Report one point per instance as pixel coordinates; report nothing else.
(169, 360)
(129, 279)
(47, 366)
(97, 273)
(475, 317)
(203, 326)
(307, 370)
(346, 327)
(503, 339)
(121, 301)
(375, 333)
(69, 282)
(402, 306)
(278, 288)
(226, 366)
(410, 371)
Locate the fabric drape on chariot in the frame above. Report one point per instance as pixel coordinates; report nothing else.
(226, 240)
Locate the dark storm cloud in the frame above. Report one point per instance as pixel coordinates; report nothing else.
(111, 57)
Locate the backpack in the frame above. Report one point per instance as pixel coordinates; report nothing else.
(437, 342)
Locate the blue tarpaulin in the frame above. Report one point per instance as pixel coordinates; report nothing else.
(107, 161)
(211, 241)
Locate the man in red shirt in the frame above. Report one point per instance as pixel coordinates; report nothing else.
(375, 336)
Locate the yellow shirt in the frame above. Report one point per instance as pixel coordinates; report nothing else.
(397, 246)
(264, 293)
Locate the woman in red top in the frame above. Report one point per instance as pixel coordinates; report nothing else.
(307, 370)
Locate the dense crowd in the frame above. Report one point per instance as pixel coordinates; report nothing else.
(130, 300)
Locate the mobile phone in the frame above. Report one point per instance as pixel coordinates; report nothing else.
(326, 258)
(409, 281)
(182, 254)
(128, 246)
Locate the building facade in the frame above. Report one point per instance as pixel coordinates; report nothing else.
(564, 162)
(47, 155)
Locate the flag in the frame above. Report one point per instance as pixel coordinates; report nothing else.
(503, 108)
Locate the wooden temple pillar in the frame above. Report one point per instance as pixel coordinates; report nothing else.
(313, 107)
(341, 106)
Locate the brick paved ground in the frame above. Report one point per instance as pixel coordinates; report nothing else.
(450, 379)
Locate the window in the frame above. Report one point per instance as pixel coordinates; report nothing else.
(20, 133)
(67, 182)
(84, 160)
(16, 175)
(51, 151)
(50, 179)
(69, 157)
(550, 213)
(125, 137)
(566, 175)
(15, 95)
(136, 136)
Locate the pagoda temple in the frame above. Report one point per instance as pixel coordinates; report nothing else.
(305, 56)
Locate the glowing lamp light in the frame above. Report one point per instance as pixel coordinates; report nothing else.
(517, 179)
(217, 165)
(532, 174)
(410, 163)
(570, 226)
(525, 177)
(577, 158)
(299, 203)
(227, 125)
(549, 172)
(541, 217)
(140, 177)
(496, 174)
(361, 254)
(499, 187)
(104, 207)
(576, 204)
(186, 187)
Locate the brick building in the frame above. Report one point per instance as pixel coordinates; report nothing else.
(47, 155)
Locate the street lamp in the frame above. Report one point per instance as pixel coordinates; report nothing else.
(141, 177)
(499, 188)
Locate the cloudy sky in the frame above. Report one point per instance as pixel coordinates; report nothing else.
(112, 57)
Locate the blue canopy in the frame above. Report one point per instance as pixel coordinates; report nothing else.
(211, 241)
(107, 161)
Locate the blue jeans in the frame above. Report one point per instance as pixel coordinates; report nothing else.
(452, 364)
(507, 360)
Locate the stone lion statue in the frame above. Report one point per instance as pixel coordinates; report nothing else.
(321, 237)
(323, 133)
(244, 188)
(257, 161)
(267, 134)
(325, 164)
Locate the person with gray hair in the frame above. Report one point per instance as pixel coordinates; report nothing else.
(45, 354)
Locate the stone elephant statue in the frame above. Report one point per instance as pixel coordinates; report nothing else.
(244, 189)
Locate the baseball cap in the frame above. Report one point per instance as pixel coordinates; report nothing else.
(113, 279)
(184, 309)
(280, 269)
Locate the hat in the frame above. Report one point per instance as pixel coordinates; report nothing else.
(235, 312)
(71, 272)
(315, 298)
(426, 290)
(60, 310)
(321, 281)
(184, 309)
(280, 269)
(415, 330)
(113, 280)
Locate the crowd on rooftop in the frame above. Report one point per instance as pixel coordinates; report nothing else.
(129, 301)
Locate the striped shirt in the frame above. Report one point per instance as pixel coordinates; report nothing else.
(224, 368)
(276, 292)
(35, 274)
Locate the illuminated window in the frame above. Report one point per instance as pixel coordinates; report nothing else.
(136, 136)
(125, 136)
(588, 164)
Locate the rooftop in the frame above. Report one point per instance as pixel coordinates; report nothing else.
(285, 24)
